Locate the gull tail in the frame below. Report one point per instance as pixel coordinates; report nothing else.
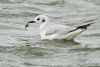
(72, 34)
(79, 29)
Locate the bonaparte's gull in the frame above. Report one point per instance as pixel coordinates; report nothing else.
(57, 31)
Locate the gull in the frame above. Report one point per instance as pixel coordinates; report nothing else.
(49, 31)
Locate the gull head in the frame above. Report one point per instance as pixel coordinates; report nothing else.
(39, 19)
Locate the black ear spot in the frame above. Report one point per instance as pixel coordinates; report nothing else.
(43, 20)
(38, 18)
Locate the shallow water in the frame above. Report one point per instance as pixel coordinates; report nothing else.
(20, 48)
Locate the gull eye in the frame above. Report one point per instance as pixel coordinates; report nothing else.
(38, 18)
(43, 20)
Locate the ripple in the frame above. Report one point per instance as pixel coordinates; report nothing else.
(20, 48)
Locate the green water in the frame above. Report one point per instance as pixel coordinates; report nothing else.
(20, 48)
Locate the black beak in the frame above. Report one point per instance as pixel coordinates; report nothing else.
(31, 21)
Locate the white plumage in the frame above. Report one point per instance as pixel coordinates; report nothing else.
(56, 31)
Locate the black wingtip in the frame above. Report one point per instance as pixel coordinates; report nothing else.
(84, 26)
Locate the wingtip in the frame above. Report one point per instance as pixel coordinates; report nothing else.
(84, 26)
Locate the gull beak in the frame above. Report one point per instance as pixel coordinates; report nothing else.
(31, 21)
(27, 24)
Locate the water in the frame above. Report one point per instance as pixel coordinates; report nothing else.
(20, 48)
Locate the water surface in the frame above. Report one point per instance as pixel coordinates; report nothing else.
(20, 48)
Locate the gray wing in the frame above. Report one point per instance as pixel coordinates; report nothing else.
(59, 29)
(66, 31)
(72, 29)
(62, 29)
